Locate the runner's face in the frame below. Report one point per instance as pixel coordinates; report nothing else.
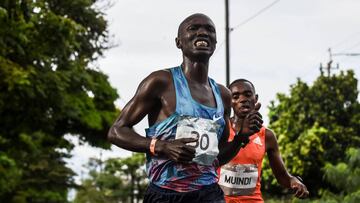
(197, 37)
(243, 98)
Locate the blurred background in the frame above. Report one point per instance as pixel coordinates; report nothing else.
(67, 67)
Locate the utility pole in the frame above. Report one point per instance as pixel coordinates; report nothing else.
(328, 67)
(227, 42)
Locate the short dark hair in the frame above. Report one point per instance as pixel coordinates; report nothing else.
(241, 80)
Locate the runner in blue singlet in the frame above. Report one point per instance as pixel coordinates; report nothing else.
(187, 113)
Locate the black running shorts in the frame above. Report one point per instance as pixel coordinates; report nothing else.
(208, 194)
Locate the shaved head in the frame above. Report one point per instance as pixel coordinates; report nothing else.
(190, 18)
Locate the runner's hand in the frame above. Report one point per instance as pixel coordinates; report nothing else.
(252, 122)
(178, 150)
(299, 188)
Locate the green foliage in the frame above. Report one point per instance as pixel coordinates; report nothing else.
(49, 88)
(115, 180)
(345, 176)
(315, 125)
(9, 174)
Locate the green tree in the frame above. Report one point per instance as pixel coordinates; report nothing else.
(345, 176)
(315, 125)
(115, 180)
(49, 87)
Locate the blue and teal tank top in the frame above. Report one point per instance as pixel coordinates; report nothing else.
(180, 177)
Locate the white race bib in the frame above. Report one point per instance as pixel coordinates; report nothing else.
(238, 179)
(205, 130)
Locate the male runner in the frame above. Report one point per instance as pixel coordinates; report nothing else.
(240, 178)
(187, 114)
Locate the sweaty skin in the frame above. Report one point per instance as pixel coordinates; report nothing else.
(243, 101)
(156, 98)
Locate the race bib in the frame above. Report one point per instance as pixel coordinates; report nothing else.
(238, 179)
(205, 130)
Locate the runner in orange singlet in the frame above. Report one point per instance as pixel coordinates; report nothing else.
(240, 178)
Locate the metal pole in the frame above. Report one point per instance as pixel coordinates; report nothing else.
(227, 42)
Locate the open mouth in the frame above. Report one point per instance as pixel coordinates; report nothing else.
(201, 43)
(245, 108)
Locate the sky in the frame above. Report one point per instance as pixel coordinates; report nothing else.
(273, 42)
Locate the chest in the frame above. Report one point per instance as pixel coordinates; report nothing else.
(202, 94)
(194, 94)
(253, 152)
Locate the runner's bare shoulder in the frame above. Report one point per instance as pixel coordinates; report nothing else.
(226, 96)
(225, 92)
(156, 82)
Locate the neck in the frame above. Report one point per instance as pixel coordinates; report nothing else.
(236, 121)
(196, 70)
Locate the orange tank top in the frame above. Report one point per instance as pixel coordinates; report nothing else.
(240, 178)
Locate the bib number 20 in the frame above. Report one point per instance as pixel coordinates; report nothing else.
(202, 140)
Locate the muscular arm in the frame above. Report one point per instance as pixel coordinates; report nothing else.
(152, 99)
(276, 162)
(145, 99)
(228, 150)
(225, 153)
(278, 167)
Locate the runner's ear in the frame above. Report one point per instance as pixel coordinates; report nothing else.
(178, 43)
